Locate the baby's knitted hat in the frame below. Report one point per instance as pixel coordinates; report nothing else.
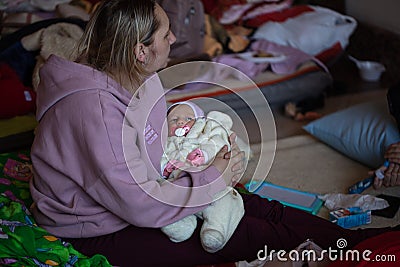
(198, 112)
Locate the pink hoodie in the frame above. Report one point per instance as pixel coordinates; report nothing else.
(94, 172)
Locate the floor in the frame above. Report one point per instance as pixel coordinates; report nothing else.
(294, 165)
(345, 90)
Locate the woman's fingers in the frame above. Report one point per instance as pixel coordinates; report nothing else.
(223, 151)
(234, 147)
(235, 161)
(393, 153)
(232, 138)
(393, 157)
(239, 164)
(392, 175)
(236, 179)
(395, 175)
(377, 183)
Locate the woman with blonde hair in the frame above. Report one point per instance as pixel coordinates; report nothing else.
(97, 152)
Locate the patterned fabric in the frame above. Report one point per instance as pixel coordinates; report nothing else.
(22, 242)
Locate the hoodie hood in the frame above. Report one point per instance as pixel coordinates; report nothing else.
(60, 78)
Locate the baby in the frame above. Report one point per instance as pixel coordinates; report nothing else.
(193, 139)
(193, 142)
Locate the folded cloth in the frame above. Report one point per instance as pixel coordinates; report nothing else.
(293, 58)
(365, 202)
(249, 68)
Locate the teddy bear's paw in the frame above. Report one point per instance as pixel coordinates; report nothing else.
(212, 240)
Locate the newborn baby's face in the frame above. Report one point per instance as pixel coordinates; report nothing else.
(180, 116)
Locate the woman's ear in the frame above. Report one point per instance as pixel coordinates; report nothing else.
(141, 52)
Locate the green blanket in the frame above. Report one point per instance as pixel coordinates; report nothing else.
(22, 242)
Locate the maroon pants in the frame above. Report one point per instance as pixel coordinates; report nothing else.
(265, 223)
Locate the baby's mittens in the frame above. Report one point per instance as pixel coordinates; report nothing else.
(181, 230)
(171, 166)
(221, 219)
(197, 157)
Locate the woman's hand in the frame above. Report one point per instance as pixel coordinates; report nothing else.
(392, 176)
(392, 173)
(392, 154)
(230, 163)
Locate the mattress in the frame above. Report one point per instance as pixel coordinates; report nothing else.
(307, 81)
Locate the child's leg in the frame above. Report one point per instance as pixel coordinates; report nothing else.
(265, 223)
(287, 227)
(221, 219)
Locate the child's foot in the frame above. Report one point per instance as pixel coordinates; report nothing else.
(221, 219)
(212, 240)
(181, 230)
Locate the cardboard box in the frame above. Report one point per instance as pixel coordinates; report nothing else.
(350, 217)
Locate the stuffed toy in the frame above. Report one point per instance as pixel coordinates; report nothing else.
(59, 39)
(196, 146)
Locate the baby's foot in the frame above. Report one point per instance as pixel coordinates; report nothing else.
(212, 240)
(181, 230)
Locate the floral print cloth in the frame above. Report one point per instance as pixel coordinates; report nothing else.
(22, 242)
